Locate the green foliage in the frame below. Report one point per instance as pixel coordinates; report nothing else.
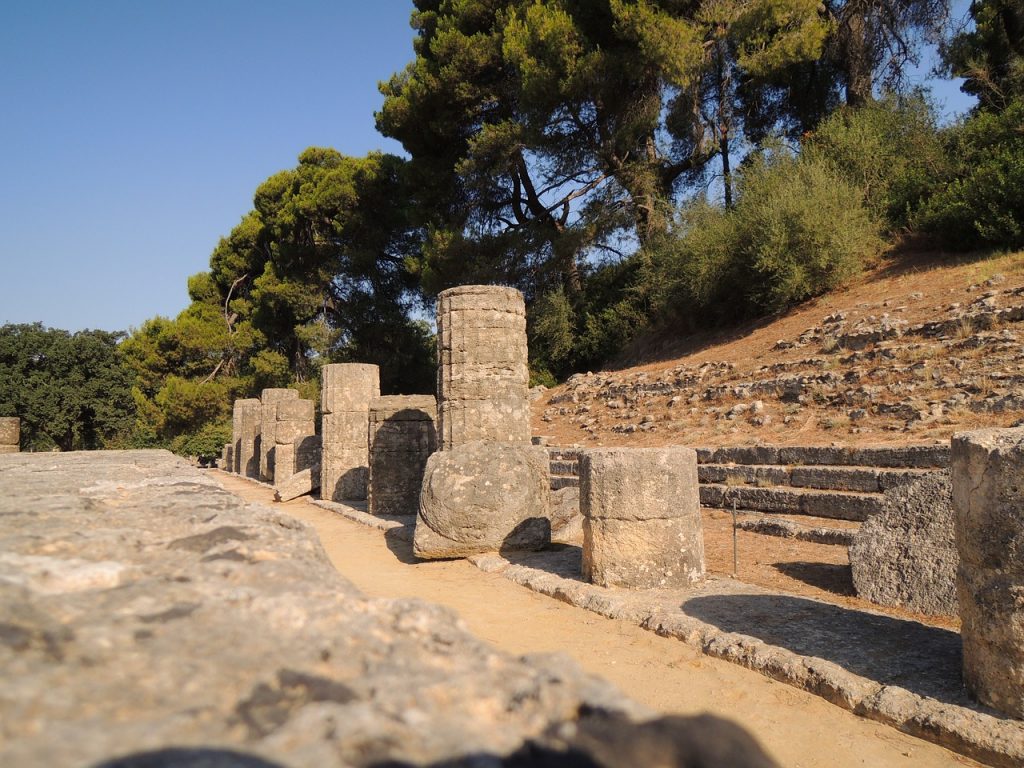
(207, 443)
(797, 231)
(991, 55)
(889, 149)
(541, 131)
(70, 390)
(981, 202)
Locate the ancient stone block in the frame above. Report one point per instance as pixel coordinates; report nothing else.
(291, 458)
(641, 517)
(348, 386)
(227, 457)
(247, 447)
(480, 497)
(298, 484)
(10, 432)
(988, 504)
(296, 410)
(402, 437)
(293, 430)
(482, 366)
(906, 555)
(269, 398)
(345, 398)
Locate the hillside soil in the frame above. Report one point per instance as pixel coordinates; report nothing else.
(920, 347)
(798, 729)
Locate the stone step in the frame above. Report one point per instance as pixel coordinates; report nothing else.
(828, 477)
(841, 505)
(883, 456)
(773, 525)
(559, 482)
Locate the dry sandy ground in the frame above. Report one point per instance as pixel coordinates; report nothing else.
(798, 729)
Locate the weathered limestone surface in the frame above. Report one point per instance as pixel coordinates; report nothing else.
(641, 517)
(269, 398)
(247, 446)
(298, 484)
(10, 434)
(482, 373)
(227, 458)
(481, 497)
(347, 389)
(144, 609)
(906, 556)
(988, 499)
(293, 458)
(402, 437)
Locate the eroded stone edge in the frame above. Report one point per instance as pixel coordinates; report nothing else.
(986, 738)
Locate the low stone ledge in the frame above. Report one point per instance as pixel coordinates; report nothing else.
(931, 656)
(144, 608)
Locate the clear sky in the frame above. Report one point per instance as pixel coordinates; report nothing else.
(133, 135)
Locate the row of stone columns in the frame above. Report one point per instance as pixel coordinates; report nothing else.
(640, 507)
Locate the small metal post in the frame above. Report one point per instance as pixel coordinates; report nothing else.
(735, 557)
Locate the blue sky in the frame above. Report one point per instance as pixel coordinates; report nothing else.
(135, 133)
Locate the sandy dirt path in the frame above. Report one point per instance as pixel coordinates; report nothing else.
(798, 729)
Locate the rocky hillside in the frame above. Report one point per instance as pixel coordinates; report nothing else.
(920, 347)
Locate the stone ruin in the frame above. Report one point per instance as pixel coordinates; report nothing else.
(641, 517)
(906, 554)
(482, 372)
(402, 436)
(269, 399)
(10, 434)
(347, 389)
(487, 488)
(988, 499)
(264, 655)
(246, 437)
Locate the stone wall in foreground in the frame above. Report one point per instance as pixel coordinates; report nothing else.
(124, 630)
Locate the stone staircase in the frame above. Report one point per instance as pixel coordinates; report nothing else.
(807, 492)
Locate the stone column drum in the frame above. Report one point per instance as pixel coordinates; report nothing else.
(988, 505)
(402, 437)
(347, 389)
(227, 461)
(236, 436)
(483, 379)
(269, 398)
(641, 517)
(295, 423)
(247, 457)
(10, 434)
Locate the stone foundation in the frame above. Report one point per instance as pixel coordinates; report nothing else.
(247, 437)
(345, 399)
(988, 503)
(402, 437)
(269, 399)
(482, 366)
(10, 434)
(641, 517)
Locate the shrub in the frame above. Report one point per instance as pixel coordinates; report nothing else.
(798, 230)
(982, 203)
(889, 149)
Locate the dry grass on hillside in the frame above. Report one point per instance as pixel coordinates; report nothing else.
(911, 386)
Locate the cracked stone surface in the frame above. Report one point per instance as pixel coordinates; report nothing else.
(143, 609)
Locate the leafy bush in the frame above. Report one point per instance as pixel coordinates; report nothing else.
(798, 230)
(889, 149)
(207, 443)
(982, 203)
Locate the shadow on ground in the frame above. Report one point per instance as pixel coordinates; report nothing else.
(830, 577)
(923, 660)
